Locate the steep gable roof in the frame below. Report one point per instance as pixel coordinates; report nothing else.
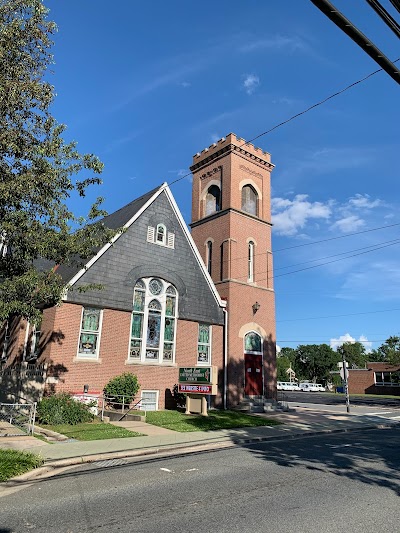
(118, 219)
(124, 218)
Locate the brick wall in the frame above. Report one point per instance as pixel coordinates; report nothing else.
(231, 164)
(70, 373)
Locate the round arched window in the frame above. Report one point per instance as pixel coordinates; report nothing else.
(249, 200)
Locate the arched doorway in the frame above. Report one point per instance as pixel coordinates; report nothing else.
(253, 364)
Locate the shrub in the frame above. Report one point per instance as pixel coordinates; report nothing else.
(124, 385)
(61, 408)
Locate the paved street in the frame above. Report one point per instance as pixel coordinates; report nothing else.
(329, 398)
(345, 482)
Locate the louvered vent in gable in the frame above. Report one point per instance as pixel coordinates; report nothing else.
(151, 234)
(171, 240)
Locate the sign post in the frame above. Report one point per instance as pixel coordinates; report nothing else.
(344, 373)
(197, 383)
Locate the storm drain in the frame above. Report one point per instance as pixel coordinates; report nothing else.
(110, 462)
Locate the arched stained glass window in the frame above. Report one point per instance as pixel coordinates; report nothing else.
(249, 200)
(154, 317)
(213, 200)
(252, 342)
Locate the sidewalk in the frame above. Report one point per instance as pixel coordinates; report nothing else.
(296, 423)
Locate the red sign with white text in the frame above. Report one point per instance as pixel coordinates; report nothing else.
(195, 389)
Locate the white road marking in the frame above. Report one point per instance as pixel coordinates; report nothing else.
(165, 469)
(379, 413)
(191, 469)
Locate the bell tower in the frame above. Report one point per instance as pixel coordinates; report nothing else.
(231, 226)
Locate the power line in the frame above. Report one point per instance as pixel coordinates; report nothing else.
(335, 238)
(318, 103)
(338, 316)
(394, 241)
(335, 260)
(317, 242)
(272, 277)
(299, 114)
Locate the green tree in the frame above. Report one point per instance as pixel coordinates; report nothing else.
(354, 353)
(285, 359)
(389, 351)
(315, 361)
(37, 170)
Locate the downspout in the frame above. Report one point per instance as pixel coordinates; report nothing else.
(225, 357)
(26, 340)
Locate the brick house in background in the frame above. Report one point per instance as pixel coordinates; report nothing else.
(164, 300)
(376, 378)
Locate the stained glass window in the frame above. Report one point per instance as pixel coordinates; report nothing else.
(153, 330)
(252, 342)
(153, 321)
(155, 286)
(89, 336)
(204, 344)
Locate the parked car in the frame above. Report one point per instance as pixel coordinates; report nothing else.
(320, 387)
(287, 385)
(308, 387)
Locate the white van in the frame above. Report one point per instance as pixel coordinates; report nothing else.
(320, 387)
(308, 387)
(286, 385)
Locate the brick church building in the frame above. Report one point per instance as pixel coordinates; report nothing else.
(171, 298)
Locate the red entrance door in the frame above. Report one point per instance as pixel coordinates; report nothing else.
(253, 382)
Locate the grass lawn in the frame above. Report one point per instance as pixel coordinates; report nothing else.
(215, 420)
(92, 431)
(14, 463)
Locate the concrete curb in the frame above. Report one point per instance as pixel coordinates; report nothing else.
(50, 467)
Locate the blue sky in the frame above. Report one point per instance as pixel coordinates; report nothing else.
(145, 85)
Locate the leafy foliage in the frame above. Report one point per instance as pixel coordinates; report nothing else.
(389, 351)
(315, 361)
(125, 385)
(354, 353)
(36, 170)
(14, 463)
(61, 408)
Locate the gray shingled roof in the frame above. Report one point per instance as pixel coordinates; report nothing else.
(115, 220)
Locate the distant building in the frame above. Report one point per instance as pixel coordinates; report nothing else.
(169, 298)
(377, 378)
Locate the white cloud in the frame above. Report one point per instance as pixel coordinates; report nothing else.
(335, 343)
(186, 84)
(362, 201)
(348, 224)
(250, 83)
(288, 216)
(276, 42)
(284, 100)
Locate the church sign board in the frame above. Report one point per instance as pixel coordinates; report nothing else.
(198, 380)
